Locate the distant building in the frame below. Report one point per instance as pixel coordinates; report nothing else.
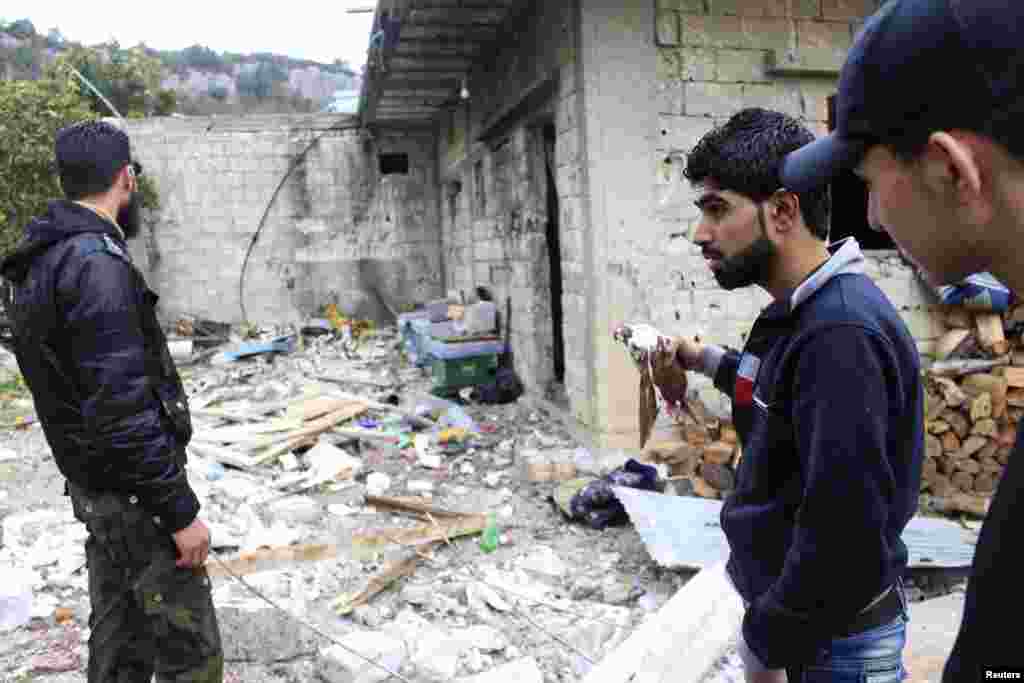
(343, 102)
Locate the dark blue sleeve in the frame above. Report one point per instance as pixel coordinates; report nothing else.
(725, 378)
(846, 392)
(107, 353)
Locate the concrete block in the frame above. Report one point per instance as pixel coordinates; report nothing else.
(685, 6)
(784, 97)
(338, 665)
(758, 8)
(667, 28)
(764, 33)
(697, 64)
(742, 66)
(252, 631)
(848, 9)
(681, 132)
(805, 9)
(566, 113)
(710, 31)
(832, 35)
(713, 99)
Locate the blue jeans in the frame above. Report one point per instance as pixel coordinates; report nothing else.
(874, 656)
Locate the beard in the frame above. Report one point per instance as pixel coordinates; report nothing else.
(130, 217)
(751, 266)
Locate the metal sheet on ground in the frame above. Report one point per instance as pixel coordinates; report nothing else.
(682, 532)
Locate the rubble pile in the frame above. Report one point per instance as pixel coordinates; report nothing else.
(974, 394)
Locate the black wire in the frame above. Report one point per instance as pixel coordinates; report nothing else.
(266, 212)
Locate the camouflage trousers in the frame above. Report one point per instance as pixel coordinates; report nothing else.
(147, 616)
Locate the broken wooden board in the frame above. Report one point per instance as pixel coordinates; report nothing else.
(310, 431)
(413, 505)
(377, 584)
(682, 532)
(683, 640)
(368, 543)
(268, 559)
(221, 454)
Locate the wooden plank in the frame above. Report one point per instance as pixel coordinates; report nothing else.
(1014, 377)
(990, 332)
(377, 584)
(266, 559)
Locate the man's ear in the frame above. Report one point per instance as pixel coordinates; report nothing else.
(952, 163)
(784, 210)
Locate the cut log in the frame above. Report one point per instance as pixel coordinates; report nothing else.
(932, 446)
(990, 332)
(956, 503)
(985, 383)
(959, 318)
(963, 481)
(703, 489)
(988, 451)
(981, 407)
(718, 453)
(1015, 398)
(985, 482)
(958, 422)
(938, 427)
(936, 406)
(952, 394)
(669, 452)
(1003, 455)
(696, 435)
(729, 434)
(719, 476)
(968, 465)
(990, 465)
(946, 465)
(940, 485)
(1014, 377)
(1017, 359)
(950, 443)
(968, 367)
(985, 427)
(929, 467)
(972, 446)
(950, 342)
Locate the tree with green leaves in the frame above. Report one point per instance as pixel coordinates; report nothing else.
(130, 78)
(31, 113)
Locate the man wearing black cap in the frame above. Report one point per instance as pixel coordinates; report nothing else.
(944, 164)
(116, 417)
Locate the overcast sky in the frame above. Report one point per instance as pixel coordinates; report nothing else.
(303, 29)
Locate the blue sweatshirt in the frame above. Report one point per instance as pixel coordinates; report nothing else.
(828, 402)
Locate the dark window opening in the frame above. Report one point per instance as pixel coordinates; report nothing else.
(554, 251)
(850, 205)
(397, 164)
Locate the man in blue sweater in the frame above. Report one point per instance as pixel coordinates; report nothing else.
(945, 170)
(828, 402)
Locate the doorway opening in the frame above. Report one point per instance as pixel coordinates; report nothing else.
(554, 244)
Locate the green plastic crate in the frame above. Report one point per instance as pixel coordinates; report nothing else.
(452, 374)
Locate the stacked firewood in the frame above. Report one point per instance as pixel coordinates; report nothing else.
(974, 396)
(703, 450)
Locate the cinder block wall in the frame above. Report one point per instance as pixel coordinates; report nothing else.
(659, 75)
(335, 232)
(494, 211)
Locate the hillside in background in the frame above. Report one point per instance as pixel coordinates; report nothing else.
(202, 81)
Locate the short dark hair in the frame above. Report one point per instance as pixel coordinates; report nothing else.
(744, 154)
(89, 157)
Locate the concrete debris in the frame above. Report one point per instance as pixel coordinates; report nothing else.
(485, 638)
(252, 631)
(523, 670)
(338, 664)
(437, 653)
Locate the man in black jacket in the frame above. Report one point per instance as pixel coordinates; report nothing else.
(945, 170)
(828, 402)
(115, 415)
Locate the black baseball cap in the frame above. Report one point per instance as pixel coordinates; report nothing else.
(916, 67)
(94, 147)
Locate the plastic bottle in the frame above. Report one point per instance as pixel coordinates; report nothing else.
(489, 539)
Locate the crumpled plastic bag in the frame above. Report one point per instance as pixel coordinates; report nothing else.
(662, 382)
(596, 505)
